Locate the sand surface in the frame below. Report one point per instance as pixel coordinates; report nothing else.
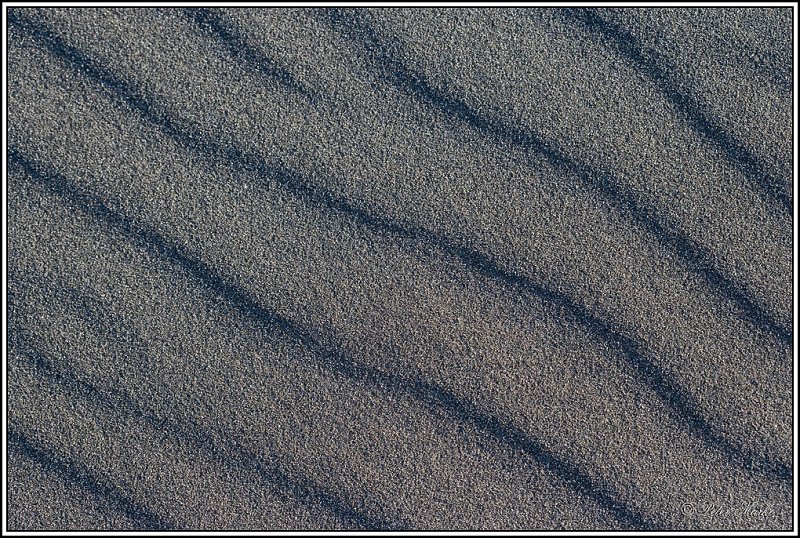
(429, 269)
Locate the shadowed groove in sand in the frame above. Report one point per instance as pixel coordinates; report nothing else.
(649, 373)
(695, 257)
(650, 65)
(434, 396)
(230, 454)
(212, 24)
(144, 518)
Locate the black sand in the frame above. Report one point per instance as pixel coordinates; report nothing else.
(409, 268)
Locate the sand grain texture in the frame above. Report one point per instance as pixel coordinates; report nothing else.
(432, 269)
